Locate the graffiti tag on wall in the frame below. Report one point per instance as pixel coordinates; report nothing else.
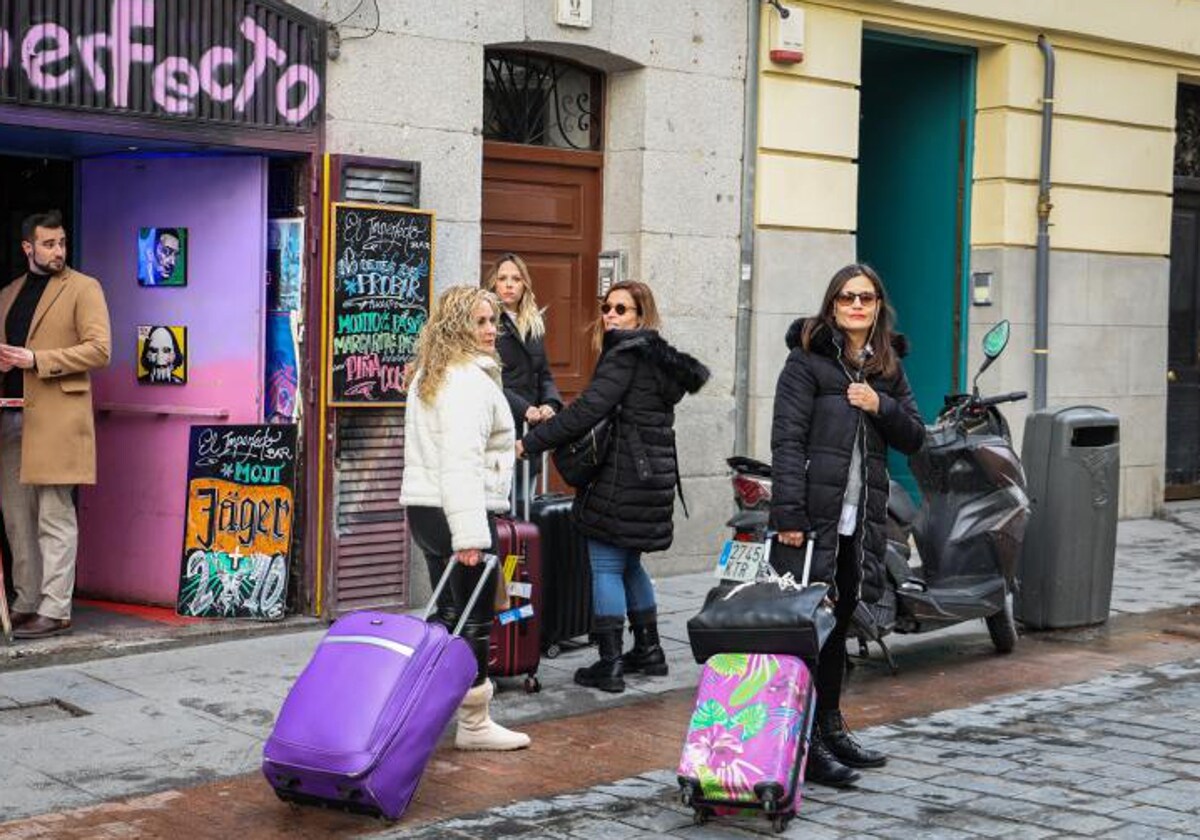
(380, 281)
(237, 536)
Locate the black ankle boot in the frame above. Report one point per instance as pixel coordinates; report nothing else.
(647, 656)
(824, 768)
(607, 674)
(844, 746)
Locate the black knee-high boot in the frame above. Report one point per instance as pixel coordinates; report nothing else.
(647, 655)
(607, 674)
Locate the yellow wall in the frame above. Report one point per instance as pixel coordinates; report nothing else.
(808, 128)
(1112, 151)
(1113, 142)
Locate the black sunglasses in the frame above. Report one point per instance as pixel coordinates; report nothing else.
(619, 307)
(847, 298)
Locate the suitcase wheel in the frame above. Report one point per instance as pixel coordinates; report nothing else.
(689, 791)
(779, 822)
(700, 816)
(532, 684)
(553, 651)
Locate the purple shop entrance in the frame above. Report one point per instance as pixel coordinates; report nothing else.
(135, 116)
(131, 522)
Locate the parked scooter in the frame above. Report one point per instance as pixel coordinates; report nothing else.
(968, 530)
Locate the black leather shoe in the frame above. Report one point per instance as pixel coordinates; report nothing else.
(608, 674)
(824, 768)
(844, 746)
(40, 627)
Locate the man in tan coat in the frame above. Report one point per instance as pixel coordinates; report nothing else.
(53, 329)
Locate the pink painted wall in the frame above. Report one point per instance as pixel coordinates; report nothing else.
(131, 522)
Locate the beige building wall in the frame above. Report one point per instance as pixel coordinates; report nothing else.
(1112, 153)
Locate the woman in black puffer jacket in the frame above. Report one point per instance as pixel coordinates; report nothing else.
(629, 506)
(841, 401)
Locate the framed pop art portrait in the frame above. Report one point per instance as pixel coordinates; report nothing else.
(162, 256)
(162, 355)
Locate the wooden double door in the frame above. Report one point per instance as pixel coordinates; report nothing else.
(545, 205)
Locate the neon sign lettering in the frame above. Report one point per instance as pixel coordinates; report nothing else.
(203, 79)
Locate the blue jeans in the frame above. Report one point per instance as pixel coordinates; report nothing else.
(619, 583)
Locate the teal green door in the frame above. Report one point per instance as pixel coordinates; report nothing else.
(913, 203)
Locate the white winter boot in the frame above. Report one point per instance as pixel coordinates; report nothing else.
(477, 730)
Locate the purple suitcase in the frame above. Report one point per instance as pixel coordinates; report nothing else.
(747, 742)
(360, 723)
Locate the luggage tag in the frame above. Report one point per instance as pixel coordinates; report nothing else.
(515, 614)
(520, 590)
(510, 567)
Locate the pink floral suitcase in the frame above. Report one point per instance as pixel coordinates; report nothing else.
(747, 742)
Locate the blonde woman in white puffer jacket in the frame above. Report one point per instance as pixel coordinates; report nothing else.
(458, 470)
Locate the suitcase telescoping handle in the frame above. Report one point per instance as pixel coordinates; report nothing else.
(489, 567)
(809, 540)
(525, 470)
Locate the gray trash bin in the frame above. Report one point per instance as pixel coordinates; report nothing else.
(1072, 464)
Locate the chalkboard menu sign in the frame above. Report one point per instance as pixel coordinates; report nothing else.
(380, 274)
(237, 534)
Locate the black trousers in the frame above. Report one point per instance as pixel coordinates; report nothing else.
(831, 664)
(431, 533)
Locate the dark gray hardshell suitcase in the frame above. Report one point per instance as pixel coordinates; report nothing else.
(566, 573)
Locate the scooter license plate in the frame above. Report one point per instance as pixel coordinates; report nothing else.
(743, 561)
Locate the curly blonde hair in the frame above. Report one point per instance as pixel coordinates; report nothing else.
(448, 338)
(530, 323)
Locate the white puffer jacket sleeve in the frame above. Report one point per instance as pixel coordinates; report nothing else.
(465, 418)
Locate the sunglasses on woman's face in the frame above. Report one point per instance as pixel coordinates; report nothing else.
(848, 298)
(620, 308)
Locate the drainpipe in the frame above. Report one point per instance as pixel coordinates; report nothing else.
(745, 288)
(1041, 338)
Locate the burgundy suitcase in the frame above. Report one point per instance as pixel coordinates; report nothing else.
(361, 721)
(516, 645)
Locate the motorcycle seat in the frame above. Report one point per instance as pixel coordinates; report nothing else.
(750, 466)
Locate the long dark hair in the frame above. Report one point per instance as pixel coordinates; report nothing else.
(882, 360)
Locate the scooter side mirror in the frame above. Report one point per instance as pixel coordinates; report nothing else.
(994, 342)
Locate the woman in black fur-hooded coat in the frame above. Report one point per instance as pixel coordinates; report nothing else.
(841, 401)
(628, 507)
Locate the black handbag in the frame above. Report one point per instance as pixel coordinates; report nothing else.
(579, 461)
(774, 615)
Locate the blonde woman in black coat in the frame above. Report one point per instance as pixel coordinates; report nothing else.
(528, 384)
(629, 507)
(841, 401)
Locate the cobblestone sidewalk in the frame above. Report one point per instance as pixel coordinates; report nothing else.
(1114, 757)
